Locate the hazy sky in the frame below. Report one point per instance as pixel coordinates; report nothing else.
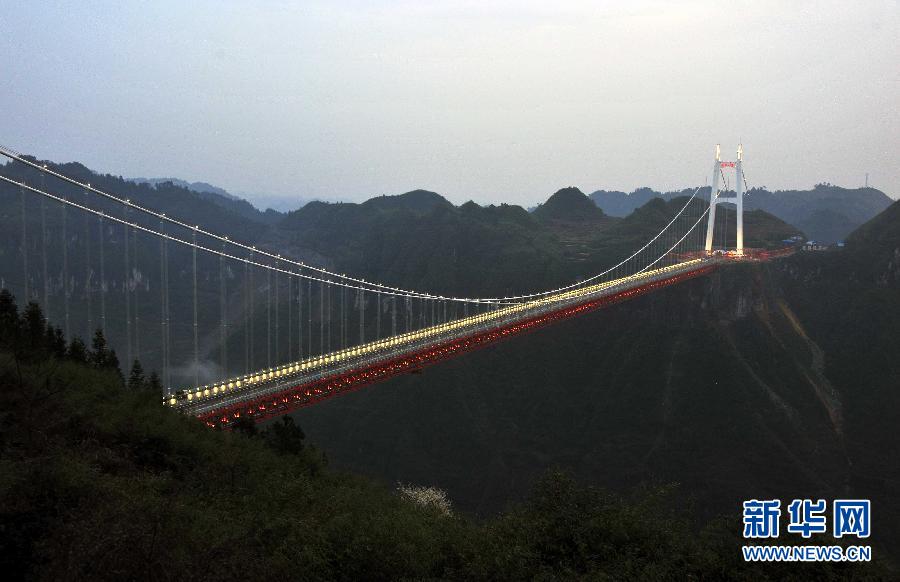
(491, 101)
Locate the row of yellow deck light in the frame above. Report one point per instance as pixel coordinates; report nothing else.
(296, 367)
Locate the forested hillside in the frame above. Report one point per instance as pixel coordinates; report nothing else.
(99, 482)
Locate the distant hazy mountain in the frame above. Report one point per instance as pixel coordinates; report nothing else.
(826, 213)
(616, 203)
(271, 204)
(195, 186)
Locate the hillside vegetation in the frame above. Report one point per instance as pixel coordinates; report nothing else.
(98, 481)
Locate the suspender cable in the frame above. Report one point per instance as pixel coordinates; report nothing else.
(277, 318)
(168, 330)
(46, 279)
(393, 315)
(137, 288)
(251, 305)
(300, 336)
(87, 272)
(408, 315)
(196, 331)
(322, 317)
(65, 254)
(309, 327)
(24, 247)
(126, 292)
(343, 318)
(290, 317)
(246, 318)
(223, 316)
(330, 310)
(102, 277)
(268, 318)
(362, 316)
(162, 310)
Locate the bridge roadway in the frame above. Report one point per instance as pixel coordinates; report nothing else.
(274, 391)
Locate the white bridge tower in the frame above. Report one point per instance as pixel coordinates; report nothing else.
(738, 198)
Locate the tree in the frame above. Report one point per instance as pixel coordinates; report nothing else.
(9, 319)
(77, 351)
(136, 379)
(246, 426)
(285, 436)
(154, 384)
(34, 326)
(99, 351)
(112, 362)
(55, 342)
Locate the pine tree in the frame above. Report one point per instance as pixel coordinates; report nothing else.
(9, 319)
(99, 352)
(77, 351)
(136, 379)
(154, 384)
(112, 362)
(55, 342)
(246, 426)
(285, 436)
(34, 326)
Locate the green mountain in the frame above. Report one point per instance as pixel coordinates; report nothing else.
(568, 204)
(420, 201)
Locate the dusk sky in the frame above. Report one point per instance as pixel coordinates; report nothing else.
(491, 101)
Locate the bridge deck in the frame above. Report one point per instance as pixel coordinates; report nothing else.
(276, 390)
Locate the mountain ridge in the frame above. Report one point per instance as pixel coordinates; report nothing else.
(826, 213)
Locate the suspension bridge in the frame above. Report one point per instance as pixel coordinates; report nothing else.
(324, 333)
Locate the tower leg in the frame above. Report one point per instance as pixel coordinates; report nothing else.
(739, 190)
(713, 194)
